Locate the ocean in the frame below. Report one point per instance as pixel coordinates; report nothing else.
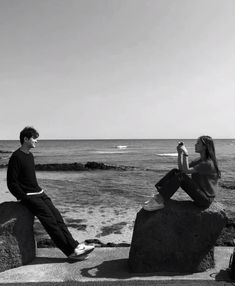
(116, 192)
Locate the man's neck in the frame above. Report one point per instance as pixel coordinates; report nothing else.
(25, 149)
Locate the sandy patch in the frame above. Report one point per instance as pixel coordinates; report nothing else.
(106, 224)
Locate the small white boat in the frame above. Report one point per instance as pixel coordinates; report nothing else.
(121, 147)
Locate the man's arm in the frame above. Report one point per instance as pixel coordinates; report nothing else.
(12, 179)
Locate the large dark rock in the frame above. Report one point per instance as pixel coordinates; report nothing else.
(177, 238)
(17, 243)
(227, 235)
(10, 256)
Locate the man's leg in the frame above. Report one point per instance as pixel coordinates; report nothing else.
(60, 222)
(37, 205)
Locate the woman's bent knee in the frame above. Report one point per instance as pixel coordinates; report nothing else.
(204, 203)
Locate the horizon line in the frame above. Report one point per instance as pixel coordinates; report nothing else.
(102, 139)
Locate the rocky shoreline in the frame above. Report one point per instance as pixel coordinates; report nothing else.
(5, 152)
(78, 167)
(227, 237)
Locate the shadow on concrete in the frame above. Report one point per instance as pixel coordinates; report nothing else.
(223, 275)
(51, 260)
(118, 269)
(108, 269)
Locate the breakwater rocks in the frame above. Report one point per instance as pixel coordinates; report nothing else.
(5, 152)
(227, 185)
(89, 166)
(227, 236)
(80, 167)
(3, 166)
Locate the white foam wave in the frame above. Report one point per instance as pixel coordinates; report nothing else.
(121, 146)
(168, 154)
(107, 152)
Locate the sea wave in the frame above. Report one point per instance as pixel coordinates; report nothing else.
(168, 154)
(108, 152)
(121, 147)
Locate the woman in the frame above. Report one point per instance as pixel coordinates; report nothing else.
(200, 186)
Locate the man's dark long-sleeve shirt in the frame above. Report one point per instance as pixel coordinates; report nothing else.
(21, 176)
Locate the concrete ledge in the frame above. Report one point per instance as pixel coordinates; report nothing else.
(107, 266)
(128, 283)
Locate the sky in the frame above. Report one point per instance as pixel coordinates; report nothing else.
(117, 69)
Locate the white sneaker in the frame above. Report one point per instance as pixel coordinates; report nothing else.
(153, 205)
(152, 197)
(81, 250)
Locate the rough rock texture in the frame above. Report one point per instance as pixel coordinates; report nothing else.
(178, 238)
(17, 243)
(228, 234)
(10, 256)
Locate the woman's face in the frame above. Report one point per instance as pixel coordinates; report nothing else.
(199, 146)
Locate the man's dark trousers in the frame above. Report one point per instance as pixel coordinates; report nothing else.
(49, 216)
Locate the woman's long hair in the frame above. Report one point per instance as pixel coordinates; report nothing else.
(210, 152)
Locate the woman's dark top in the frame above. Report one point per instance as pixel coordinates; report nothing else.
(205, 176)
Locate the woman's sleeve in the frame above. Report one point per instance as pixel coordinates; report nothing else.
(204, 168)
(193, 163)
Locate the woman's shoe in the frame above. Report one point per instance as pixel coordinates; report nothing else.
(153, 204)
(152, 197)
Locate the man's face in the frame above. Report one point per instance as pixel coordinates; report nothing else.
(31, 142)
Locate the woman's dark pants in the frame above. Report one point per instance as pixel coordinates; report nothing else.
(49, 216)
(170, 183)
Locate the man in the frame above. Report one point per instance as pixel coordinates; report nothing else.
(22, 183)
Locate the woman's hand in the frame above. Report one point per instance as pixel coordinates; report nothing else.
(182, 149)
(178, 148)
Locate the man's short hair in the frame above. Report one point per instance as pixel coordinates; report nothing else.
(28, 132)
